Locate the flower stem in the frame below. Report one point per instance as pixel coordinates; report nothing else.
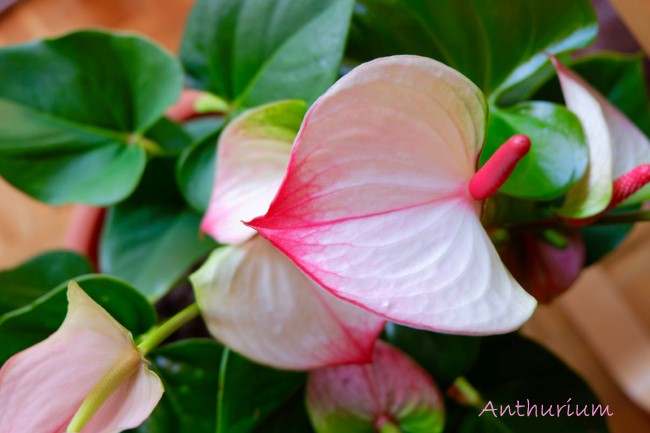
(107, 385)
(153, 338)
(624, 218)
(127, 365)
(609, 219)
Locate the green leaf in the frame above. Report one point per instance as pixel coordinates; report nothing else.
(190, 375)
(251, 394)
(498, 44)
(152, 239)
(73, 112)
(511, 368)
(444, 356)
(29, 281)
(290, 418)
(22, 328)
(201, 127)
(619, 77)
(170, 136)
(195, 171)
(558, 156)
(255, 51)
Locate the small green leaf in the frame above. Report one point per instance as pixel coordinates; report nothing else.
(498, 44)
(36, 277)
(152, 239)
(22, 328)
(171, 138)
(73, 112)
(234, 50)
(251, 394)
(558, 156)
(195, 171)
(190, 373)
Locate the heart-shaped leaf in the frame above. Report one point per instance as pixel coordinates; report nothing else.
(74, 112)
(151, 239)
(233, 49)
(498, 44)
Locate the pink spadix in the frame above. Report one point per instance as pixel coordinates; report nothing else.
(629, 183)
(496, 171)
(623, 188)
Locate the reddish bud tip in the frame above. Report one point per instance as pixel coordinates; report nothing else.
(629, 183)
(496, 171)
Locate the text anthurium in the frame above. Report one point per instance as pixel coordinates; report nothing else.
(252, 297)
(376, 206)
(616, 147)
(86, 377)
(392, 391)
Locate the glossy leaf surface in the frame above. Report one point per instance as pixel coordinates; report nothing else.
(31, 280)
(189, 371)
(558, 155)
(74, 110)
(498, 44)
(295, 55)
(151, 239)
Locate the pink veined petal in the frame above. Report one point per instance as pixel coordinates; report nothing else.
(252, 158)
(42, 387)
(616, 146)
(393, 388)
(375, 204)
(258, 303)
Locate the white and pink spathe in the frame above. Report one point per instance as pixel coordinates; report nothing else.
(251, 296)
(375, 205)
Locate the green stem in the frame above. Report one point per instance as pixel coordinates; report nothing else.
(153, 338)
(609, 219)
(126, 366)
(107, 385)
(624, 218)
(390, 428)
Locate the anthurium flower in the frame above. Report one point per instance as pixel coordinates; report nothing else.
(616, 148)
(252, 297)
(43, 387)
(376, 204)
(393, 390)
